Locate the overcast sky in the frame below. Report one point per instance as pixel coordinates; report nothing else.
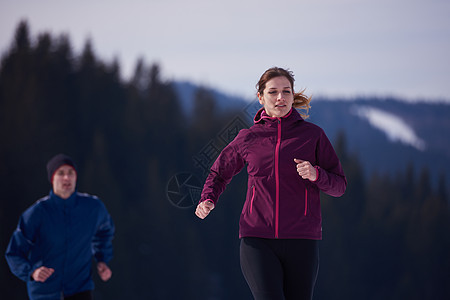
(341, 48)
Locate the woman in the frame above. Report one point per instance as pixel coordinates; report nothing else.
(289, 161)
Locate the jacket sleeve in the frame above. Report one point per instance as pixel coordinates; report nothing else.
(21, 244)
(102, 247)
(229, 163)
(331, 178)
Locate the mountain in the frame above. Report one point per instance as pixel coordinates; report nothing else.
(186, 92)
(387, 135)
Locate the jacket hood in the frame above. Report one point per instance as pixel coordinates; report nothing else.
(261, 115)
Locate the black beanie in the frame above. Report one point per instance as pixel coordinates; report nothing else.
(56, 162)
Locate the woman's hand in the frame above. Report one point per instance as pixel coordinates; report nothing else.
(305, 169)
(41, 274)
(204, 208)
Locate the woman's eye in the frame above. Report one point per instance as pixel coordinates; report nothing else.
(272, 92)
(287, 92)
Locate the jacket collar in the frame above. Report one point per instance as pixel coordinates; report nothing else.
(262, 116)
(66, 202)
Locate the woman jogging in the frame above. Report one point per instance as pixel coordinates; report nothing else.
(289, 161)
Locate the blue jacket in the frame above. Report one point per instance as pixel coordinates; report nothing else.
(62, 234)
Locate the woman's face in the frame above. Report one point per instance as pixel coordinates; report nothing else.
(277, 97)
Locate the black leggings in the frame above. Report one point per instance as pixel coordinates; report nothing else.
(279, 269)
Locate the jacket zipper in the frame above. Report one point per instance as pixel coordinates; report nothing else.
(306, 201)
(253, 198)
(277, 178)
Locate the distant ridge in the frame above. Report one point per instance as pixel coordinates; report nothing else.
(186, 93)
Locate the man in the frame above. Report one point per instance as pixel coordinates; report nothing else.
(52, 247)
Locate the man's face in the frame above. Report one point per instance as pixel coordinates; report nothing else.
(64, 181)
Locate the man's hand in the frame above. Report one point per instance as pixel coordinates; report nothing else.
(41, 274)
(104, 271)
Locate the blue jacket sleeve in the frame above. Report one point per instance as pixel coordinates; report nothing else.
(102, 247)
(21, 243)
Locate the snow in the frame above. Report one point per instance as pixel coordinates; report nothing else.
(395, 128)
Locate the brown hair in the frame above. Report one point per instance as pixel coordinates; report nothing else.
(301, 101)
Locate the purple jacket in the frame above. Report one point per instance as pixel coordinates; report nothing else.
(279, 203)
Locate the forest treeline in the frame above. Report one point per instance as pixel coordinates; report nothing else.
(388, 237)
